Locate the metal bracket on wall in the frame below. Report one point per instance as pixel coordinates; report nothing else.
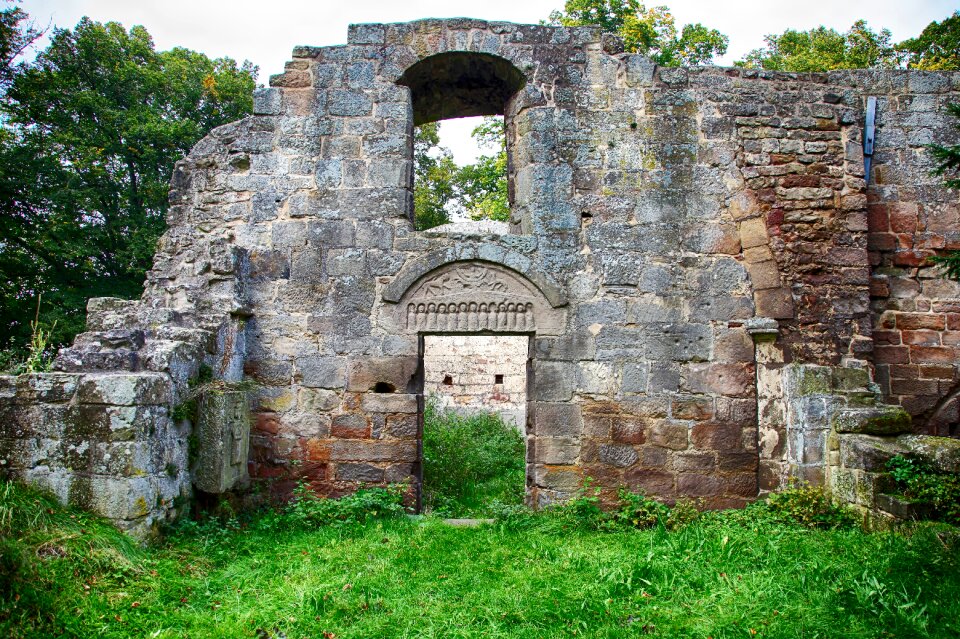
(869, 133)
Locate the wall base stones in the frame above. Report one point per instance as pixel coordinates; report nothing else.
(105, 442)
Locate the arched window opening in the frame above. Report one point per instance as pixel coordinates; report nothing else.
(462, 85)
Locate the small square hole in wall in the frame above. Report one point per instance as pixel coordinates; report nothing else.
(447, 380)
(498, 379)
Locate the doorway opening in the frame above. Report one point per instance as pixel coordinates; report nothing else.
(474, 423)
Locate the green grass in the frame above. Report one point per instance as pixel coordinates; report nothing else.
(472, 464)
(64, 573)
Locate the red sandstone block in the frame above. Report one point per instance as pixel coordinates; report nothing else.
(314, 471)
(916, 321)
(652, 482)
(699, 485)
(628, 431)
(903, 217)
(654, 457)
(881, 241)
(350, 426)
(732, 380)
(905, 371)
(886, 337)
(717, 436)
(879, 287)
(925, 354)
(878, 218)
(790, 181)
(738, 461)
(922, 337)
(268, 423)
(703, 462)
(316, 450)
(946, 307)
(911, 258)
(918, 404)
(914, 387)
(931, 242)
(668, 435)
(696, 408)
(950, 338)
(740, 484)
(937, 372)
(953, 321)
(891, 354)
(846, 256)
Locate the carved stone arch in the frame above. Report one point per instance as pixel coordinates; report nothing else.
(475, 296)
(482, 252)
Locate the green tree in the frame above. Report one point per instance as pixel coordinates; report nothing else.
(947, 160)
(15, 38)
(482, 186)
(433, 178)
(823, 49)
(91, 132)
(937, 48)
(652, 32)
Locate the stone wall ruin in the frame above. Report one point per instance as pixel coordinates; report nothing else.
(705, 274)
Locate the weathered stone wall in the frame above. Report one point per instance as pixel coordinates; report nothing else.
(916, 311)
(661, 217)
(103, 442)
(478, 373)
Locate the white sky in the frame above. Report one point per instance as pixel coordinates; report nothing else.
(266, 32)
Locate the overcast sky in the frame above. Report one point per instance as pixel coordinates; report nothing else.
(264, 32)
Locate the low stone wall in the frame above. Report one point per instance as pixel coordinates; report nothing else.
(105, 442)
(857, 473)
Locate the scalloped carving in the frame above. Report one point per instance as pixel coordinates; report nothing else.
(472, 297)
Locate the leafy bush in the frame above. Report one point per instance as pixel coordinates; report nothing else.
(632, 511)
(683, 513)
(809, 506)
(921, 482)
(636, 510)
(470, 461)
(307, 509)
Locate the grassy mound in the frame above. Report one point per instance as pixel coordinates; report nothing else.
(331, 572)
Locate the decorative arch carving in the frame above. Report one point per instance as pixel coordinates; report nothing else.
(476, 296)
(482, 252)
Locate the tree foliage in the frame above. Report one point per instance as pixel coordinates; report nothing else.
(652, 32)
(15, 38)
(823, 49)
(937, 48)
(91, 132)
(433, 178)
(442, 188)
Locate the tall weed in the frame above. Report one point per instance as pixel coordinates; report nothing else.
(469, 462)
